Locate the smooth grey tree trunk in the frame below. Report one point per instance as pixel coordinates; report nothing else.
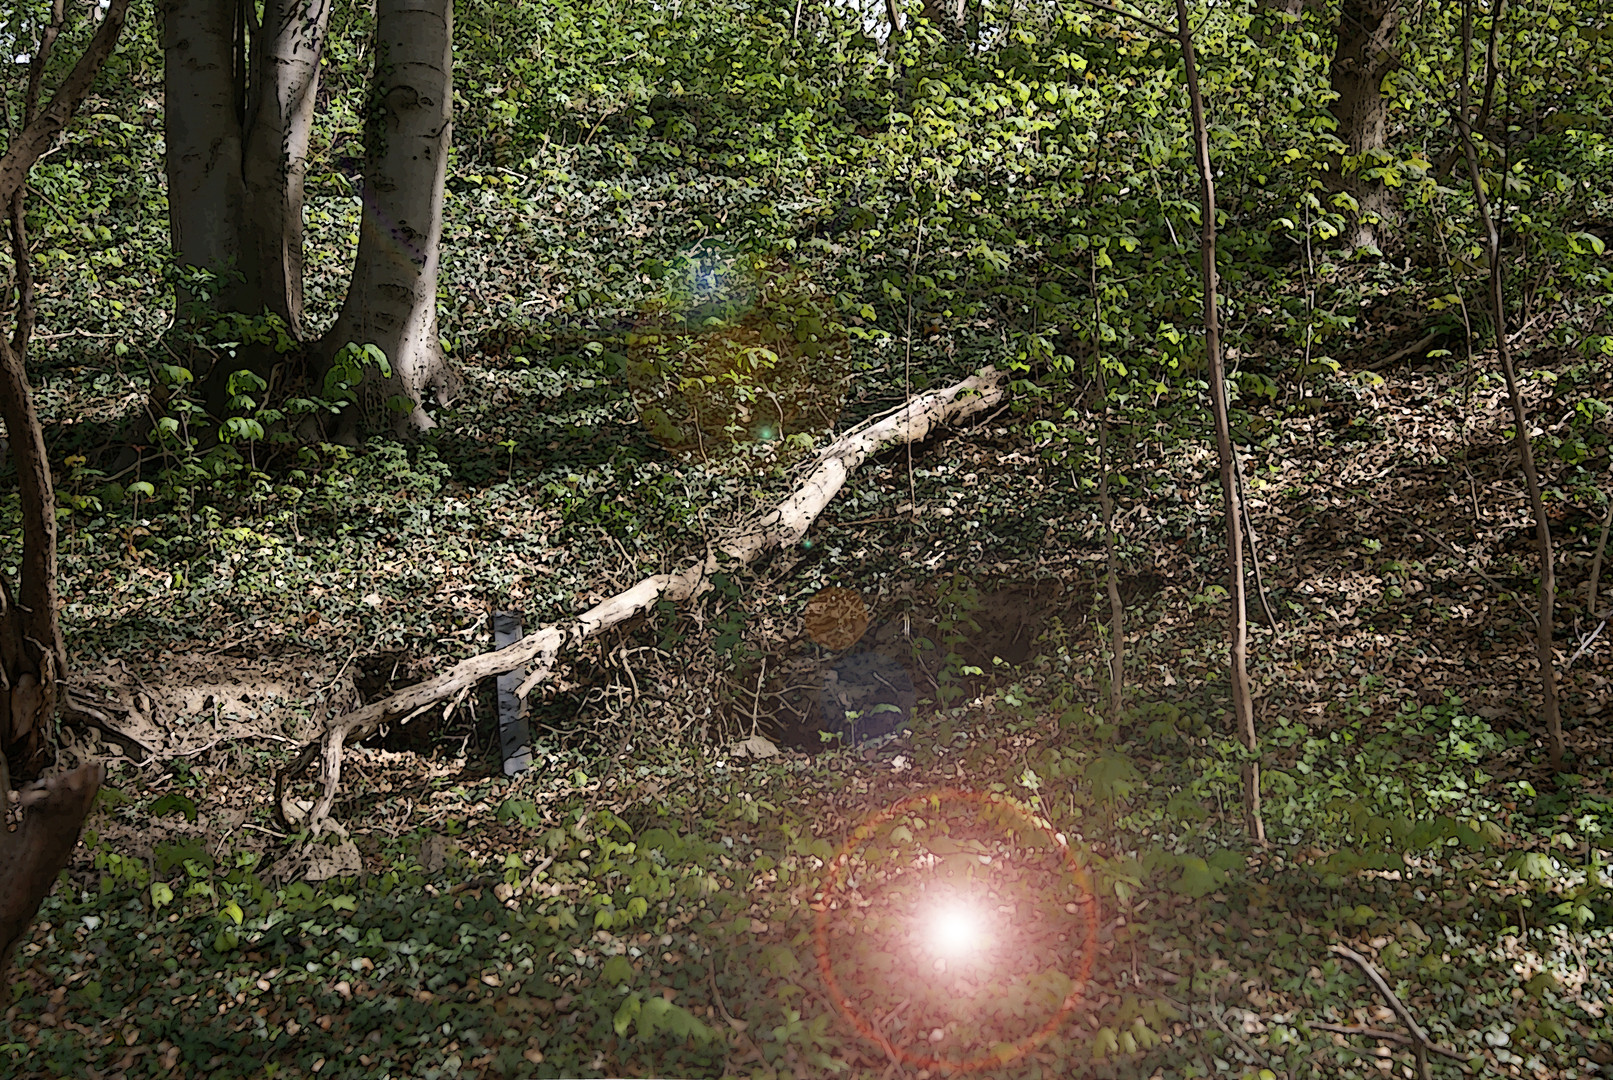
(239, 108)
(203, 118)
(392, 299)
(284, 77)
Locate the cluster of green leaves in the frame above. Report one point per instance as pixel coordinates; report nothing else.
(434, 976)
(956, 600)
(734, 352)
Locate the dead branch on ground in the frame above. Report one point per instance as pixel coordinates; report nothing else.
(779, 527)
(1421, 1044)
(1385, 1036)
(1416, 348)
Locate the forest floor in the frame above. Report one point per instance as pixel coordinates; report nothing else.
(643, 902)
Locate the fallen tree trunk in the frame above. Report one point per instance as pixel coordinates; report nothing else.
(781, 526)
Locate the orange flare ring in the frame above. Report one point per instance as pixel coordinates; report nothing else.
(1086, 902)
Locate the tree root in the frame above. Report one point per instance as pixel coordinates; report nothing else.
(779, 527)
(32, 854)
(82, 710)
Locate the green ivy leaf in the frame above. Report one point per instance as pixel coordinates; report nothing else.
(174, 803)
(616, 971)
(626, 1013)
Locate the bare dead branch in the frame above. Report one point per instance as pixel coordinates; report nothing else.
(1421, 1042)
(778, 527)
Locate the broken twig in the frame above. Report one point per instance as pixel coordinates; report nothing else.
(1420, 1043)
(1385, 1036)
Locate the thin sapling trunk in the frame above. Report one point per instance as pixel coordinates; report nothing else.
(1545, 622)
(1242, 696)
(1117, 610)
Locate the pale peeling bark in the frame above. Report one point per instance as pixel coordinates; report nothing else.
(779, 527)
(392, 299)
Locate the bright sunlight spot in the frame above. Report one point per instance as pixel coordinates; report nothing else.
(956, 930)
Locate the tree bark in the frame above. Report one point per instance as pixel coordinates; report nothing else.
(202, 113)
(32, 656)
(1242, 697)
(53, 813)
(284, 77)
(948, 16)
(392, 299)
(1117, 609)
(1363, 56)
(239, 107)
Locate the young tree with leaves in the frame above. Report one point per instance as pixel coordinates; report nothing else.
(1545, 649)
(33, 658)
(1243, 710)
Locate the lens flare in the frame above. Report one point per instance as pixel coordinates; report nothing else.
(965, 934)
(956, 931)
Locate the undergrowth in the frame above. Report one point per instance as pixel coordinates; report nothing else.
(672, 933)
